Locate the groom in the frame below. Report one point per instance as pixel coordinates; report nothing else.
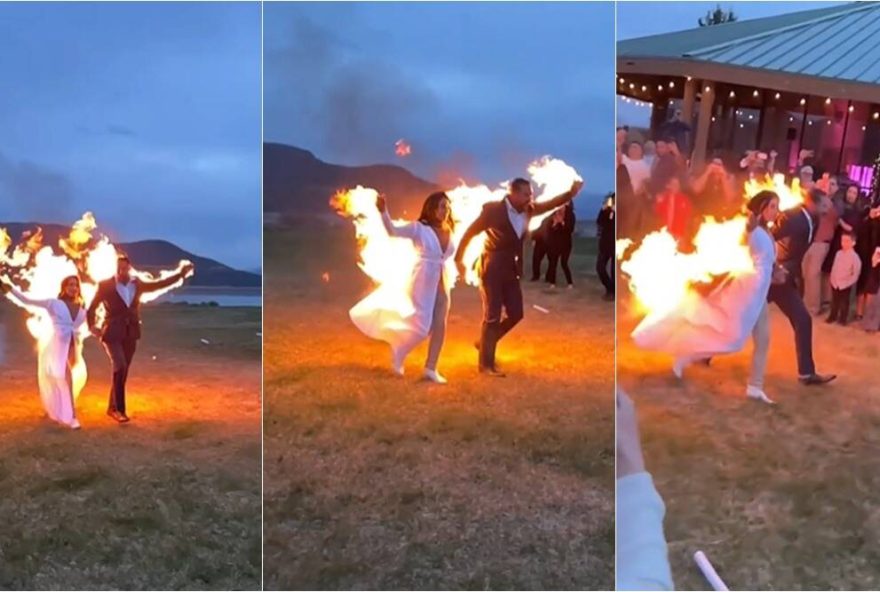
(121, 328)
(501, 265)
(793, 235)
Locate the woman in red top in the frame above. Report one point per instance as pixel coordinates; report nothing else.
(674, 209)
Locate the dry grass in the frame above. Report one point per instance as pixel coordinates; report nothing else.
(781, 497)
(169, 501)
(375, 482)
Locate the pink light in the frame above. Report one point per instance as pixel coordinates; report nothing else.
(863, 175)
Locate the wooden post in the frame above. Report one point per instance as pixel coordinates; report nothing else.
(704, 120)
(687, 109)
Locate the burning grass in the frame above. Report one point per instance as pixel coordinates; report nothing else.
(170, 501)
(780, 498)
(375, 482)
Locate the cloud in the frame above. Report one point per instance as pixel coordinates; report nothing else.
(35, 192)
(355, 106)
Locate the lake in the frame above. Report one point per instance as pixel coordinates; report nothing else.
(223, 296)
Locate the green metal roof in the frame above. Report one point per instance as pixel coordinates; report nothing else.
(837, 43)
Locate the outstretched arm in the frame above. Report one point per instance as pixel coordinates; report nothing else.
(551, 204)
(147, 287)
(476, 227)
(6, 285)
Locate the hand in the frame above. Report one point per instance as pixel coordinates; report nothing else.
(780, 275)
(629, 445)
(187, 270)
(381, 205)
(773, 154)
(576, 187)
(459, 267)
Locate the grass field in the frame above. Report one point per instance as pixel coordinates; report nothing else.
(378, 482)
(780, 498)
(169, 501)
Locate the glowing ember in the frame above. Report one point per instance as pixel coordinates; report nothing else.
(402, 148)
(789, 196)
(42, 269)
(389, 261)
(325, 277)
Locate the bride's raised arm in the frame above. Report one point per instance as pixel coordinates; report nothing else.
(7, 285)
(407, 230)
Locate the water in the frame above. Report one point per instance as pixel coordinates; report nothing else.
(251, 297)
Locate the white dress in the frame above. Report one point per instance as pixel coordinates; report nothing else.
(399, 317)
(53, 350)
(721, 322)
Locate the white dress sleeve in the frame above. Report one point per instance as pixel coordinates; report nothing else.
(27, 300)
(642, 562)
(408, 230)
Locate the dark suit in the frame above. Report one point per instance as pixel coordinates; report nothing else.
(605, 228)
(121, 330)
(560, 244)
(501, 267)
(793, 236)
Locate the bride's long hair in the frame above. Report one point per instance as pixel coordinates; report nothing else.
(62, 295)
(428, 217)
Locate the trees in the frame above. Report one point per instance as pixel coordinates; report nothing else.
(717, 17)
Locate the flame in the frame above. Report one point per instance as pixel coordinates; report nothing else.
(789, 196)
(664, 278)
(402, 148)
(80, 254)
(389, 261)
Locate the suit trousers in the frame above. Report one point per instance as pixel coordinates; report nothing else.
(121, 354)
(811, 268)
(789, 301)
(499, 294)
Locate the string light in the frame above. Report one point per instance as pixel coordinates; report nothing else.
(644, 88)
(741, 125)
(689, 78)
(828, 101)
(631, 86)
(810, 122)
(776, 96)
(713, 118)
(755, 94)
(671, 84)
(850, 108)
(732, 94)
(707, 89)
(876, 115)
(828, 122)
(621, 80)
(790, 119)
(660, 87)
(864, 128)
(803, 102)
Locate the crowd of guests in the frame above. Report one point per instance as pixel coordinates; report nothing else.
(553, 241)
(657, 188)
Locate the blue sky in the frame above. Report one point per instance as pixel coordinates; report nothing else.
(639, 19)
(146, 114)
(479, 89)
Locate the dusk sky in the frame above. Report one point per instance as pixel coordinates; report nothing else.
(477, 89)
(147, 115)
(639, 19)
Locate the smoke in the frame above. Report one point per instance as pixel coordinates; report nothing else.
(34, 192)
(354, 107)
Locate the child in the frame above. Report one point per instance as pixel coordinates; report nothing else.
(872, 306)
(844, 274)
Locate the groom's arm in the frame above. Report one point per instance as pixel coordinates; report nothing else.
(147, 287)
(560, 200)
(93, 307)
(476, 227)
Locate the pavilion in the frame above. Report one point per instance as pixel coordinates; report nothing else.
(804, 80)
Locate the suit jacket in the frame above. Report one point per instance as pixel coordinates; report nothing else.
(503, 251)
(793, 237)
(123, 322)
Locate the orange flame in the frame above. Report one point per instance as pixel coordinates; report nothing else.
(43, 270)
(789, 196)
(389, 261)
(402, 148)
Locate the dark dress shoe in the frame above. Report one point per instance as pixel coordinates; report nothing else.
(815, 379)
(494, 372)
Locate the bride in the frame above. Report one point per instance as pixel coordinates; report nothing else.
(427, 290)
(61, 368)
(721, 322)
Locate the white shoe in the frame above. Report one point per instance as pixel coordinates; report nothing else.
(678, 367)
(75, 424)
(434, 376)
(396, 363)
(753, 392)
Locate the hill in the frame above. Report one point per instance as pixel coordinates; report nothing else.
(151, 255)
